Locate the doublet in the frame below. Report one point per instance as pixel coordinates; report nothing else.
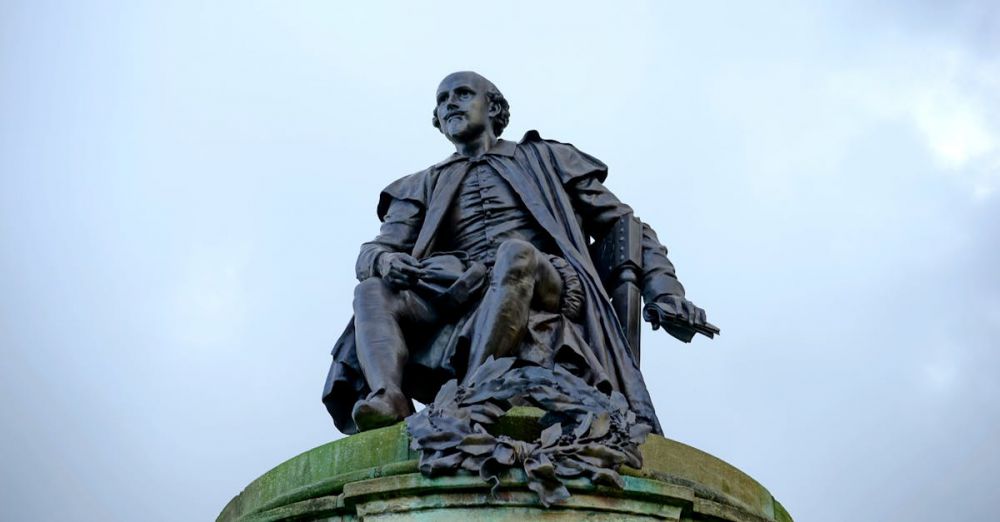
(485, 213)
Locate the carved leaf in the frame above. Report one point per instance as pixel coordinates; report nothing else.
(542, 480)
(608, 477)
(504, 454)
(474, 464)
(540, 468)
(494, 390)
(638, 432)
(440, 465)
(491, 369)
(480, 419)
(549, 492)
(478, 444)
(440, 440)
(584, 425)
(619, 402)
(551, 435)
(444, 418)
(601, 456)
(600, 426)
(568, 468)
(446, 395)
(485, 412)
(634, 457)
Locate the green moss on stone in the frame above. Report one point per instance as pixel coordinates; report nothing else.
(519, 423)
(319, 481)
(323, 470)
(780, 515)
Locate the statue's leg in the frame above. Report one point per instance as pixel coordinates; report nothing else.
(522, 277)
(379, 313)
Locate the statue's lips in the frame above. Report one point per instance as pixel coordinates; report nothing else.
(454, 115)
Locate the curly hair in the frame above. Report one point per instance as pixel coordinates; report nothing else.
(498, 122)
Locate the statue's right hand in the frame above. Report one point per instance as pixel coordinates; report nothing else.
(399, 270)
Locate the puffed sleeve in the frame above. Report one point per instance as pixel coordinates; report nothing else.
(401, 209)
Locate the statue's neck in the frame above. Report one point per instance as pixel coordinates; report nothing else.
(477, 147)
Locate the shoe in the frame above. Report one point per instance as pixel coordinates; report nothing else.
(380, 410)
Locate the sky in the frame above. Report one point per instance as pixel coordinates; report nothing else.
(184, 187)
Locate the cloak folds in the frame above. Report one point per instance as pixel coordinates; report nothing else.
(561, 187)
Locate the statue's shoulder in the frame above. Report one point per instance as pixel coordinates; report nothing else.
(533, 137)
(409, 186)
(414, 188)
(570, 162)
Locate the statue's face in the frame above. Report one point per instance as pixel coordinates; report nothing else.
(463, 109)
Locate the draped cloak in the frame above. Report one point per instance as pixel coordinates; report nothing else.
(562, 189)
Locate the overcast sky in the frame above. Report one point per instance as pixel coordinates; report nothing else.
(184, 187)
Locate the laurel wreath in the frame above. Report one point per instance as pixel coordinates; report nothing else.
(587, 433)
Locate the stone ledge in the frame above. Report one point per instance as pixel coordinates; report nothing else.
(373, 476)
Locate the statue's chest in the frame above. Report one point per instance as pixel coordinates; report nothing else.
(484, 212)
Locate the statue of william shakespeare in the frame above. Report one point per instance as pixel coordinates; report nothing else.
(506, 274)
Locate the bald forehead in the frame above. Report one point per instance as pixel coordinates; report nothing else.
(464, 78)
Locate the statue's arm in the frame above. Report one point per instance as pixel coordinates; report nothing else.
(666, 304)
(600, 210)
(583, 177)
(398, 233)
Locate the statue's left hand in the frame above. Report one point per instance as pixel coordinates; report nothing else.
(681, 308)
(398, 269)
(679, 317)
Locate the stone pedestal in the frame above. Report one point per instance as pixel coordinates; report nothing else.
(373, 476)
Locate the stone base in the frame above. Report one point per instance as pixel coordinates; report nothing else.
(372, 476)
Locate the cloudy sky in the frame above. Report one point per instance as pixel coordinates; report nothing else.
(183, 189)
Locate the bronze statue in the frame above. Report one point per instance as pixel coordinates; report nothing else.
(502, 250)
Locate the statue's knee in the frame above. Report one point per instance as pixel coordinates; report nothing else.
(516, 260)
(371, 291)
(516, 251)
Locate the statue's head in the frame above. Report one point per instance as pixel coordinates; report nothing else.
(468, 105)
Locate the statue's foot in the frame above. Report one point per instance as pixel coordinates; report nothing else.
(383, 409)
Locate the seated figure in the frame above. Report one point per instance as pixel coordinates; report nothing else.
(487, 253)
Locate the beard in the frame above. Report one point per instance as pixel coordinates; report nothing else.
(461, 129)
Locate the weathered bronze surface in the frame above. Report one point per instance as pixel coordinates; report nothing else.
(511, 255)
